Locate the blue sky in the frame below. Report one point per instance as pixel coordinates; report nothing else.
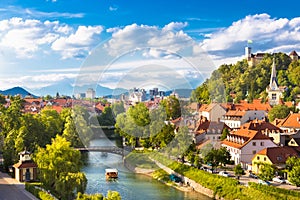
(43, 42)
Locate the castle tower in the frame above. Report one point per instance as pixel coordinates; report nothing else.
(248, 53)
(273, 90)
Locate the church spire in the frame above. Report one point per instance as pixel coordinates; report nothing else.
(273, 80)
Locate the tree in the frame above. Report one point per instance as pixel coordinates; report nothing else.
(59, 167)
(238, 170)
(266, 172)
(216, 157)
(200, 94)
(278, 111)
(293, 167)
(225, 132)
(118, 108)
(294, 175)
(107, 117)
(140, 114)
(172, 107)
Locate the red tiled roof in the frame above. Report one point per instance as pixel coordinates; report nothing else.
(260, 125)
(278, 154)
(247, 135)
(21, 165)
(293, 53)
(292, 121)
(237, 113)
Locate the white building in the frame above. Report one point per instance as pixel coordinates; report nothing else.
(243, 144)
(137, 95)
(90, 93)
(212, 112)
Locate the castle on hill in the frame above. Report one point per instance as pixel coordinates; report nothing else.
(275, 92)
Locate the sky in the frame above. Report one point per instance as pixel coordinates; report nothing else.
(134, 43)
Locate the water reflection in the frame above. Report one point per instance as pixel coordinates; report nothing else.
(131, 186)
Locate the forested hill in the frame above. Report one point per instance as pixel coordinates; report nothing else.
(239, 81)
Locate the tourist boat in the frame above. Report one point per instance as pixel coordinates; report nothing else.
(111, 173)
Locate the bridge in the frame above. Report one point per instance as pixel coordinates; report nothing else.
(108, 149)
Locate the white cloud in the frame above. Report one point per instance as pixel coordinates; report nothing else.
(27, 37)
(79, 43)
(143, 36)
(267, 33)
(24, 37)
(113, 8)
(34, 81)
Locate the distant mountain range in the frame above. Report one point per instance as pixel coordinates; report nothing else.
(16, 91)
(69, 90)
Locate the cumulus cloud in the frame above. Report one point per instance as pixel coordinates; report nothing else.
(143, 36)
(266, 33)
(78, 43)
(25, 37)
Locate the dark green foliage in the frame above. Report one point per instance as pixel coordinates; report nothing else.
(267, 172)
(37, 192)
(279, 112)
(238, 170)
(293, 168)
(107, 118)
(216, 157)
(172, 107)
(249, 82)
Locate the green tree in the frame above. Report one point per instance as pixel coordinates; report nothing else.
(172, 107)
(118, 108)
(2, 99)
(201, 94)
(216, 157)
(107, 117)
(238, 170)
(59, 167)
(294, 175)
(278, 111)
(113, 195)
(266, 172)
(293, 168)
(225, 132)
(140, 114)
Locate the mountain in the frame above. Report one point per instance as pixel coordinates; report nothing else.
(17, 91)
(66, 87)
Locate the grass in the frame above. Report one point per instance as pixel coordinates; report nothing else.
(141, 160)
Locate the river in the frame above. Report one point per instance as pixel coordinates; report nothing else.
(131, 186)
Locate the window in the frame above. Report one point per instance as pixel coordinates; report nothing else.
(253, 143)
(262, 144)
(273, 96)
(265, 159)
(254, 152)
(257, 158)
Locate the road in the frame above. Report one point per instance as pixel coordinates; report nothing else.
(11, 189)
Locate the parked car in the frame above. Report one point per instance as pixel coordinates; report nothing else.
(264, 182)
(251, 175)
(224, 173)
(279, 179)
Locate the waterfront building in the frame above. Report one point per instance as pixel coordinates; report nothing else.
(25, 169)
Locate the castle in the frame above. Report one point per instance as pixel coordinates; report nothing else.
(275, 92)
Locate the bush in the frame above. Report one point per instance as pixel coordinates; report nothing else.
(37, 192)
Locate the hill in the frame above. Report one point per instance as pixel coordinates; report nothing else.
(16, 91)
(234, 82)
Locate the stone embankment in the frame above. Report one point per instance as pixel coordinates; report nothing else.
(187, 181)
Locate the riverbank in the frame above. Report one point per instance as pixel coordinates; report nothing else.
(186, 186)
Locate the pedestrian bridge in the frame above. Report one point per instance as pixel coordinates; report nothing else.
(108, 149)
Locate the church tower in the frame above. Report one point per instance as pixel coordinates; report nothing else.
(273, 90)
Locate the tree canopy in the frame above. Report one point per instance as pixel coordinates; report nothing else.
(234, 82)
(59, 166)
